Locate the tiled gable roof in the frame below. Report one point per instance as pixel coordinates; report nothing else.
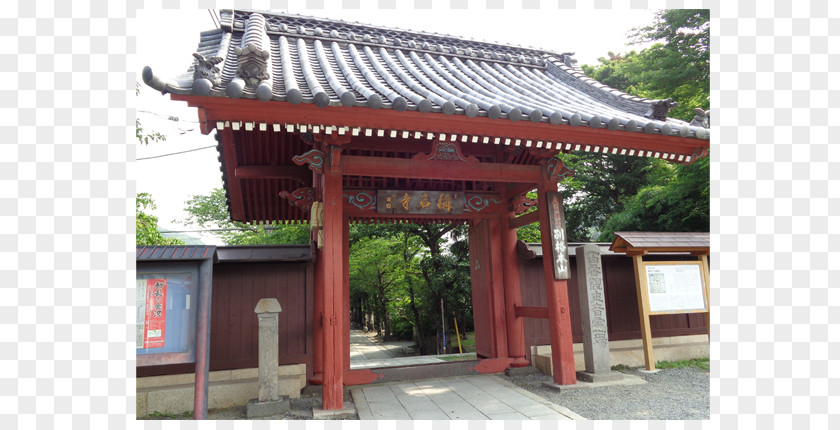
(296, 59)
(660, 241)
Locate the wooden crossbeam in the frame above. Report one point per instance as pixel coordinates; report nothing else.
(531, 312)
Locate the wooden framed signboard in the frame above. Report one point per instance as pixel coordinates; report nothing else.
(669, 287)
(675, 287)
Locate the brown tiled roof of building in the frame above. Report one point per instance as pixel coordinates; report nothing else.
(634, 241)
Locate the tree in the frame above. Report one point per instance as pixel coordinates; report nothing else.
(147, 224)
(210, 211)
(678, 202)
(677, 66)
(595, 192)
(632, 189)
(143, 136)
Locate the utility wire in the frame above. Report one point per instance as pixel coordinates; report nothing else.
(215, 17)
(221, 229)
(172, 118)
(176, 153)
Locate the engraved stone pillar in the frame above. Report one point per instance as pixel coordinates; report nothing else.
(268, 402)
(593, 315)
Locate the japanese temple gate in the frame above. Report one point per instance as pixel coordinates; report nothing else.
(333, 122)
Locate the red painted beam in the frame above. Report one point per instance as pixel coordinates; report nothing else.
(355, 165)
(360, 377)
(531, 312)
(300, 173)
(523, 220)
(225, 109)
(491, 365)
(237, 209)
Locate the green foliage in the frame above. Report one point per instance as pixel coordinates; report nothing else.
(147, 224)
(676, 67)
(143, 136)
(400, 272)
(699, 363)
(596, 190)
(611, 193)
(157, 415)
(680, 202)
(210, 211)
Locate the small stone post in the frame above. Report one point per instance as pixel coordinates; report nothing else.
(593, 315)
(269, 401)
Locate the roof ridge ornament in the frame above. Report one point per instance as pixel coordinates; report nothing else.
(659, 108)
(701, 118)
(253, 58)
(207, 68)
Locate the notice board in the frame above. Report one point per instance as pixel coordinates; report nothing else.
(675, 287)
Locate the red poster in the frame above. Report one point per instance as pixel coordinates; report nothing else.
(155, 327)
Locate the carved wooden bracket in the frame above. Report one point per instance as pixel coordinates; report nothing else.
(364, 199)
(522, 204)
(479, 202)
(555, 171)
(446, 151)
(301, 197)
(335, 157)
(314, 158)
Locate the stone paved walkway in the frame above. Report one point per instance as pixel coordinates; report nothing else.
(479, 397)
(366, 351)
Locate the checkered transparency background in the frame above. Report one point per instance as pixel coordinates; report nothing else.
(66, 219)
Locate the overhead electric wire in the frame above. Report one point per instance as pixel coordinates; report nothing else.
(176, 153)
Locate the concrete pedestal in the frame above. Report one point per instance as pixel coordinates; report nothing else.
(583, 375)
(257, 409)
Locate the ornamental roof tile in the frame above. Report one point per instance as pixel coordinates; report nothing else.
(298, 59)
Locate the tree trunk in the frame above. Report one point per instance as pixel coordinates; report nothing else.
(416, 314)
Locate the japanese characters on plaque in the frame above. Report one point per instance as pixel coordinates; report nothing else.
(419, 202)
(557, 223)
(151, 313)
(597, 303)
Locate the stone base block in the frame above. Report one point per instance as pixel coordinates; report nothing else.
(623, 380)
(257, 409)
(649, 371)
(598, 377)
(519, 371)
(349, 411)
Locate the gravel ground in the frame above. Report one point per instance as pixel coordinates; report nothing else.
(670, 394)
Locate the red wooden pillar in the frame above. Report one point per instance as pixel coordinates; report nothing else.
(333, 261)
(497, 289)
(513, 292)
(345, 278)
(317, 377)
(557, 295)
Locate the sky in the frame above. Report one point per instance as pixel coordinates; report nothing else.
(167, 40)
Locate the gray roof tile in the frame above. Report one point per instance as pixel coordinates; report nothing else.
(297, 59)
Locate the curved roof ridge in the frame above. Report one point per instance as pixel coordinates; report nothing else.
(562, 69)
(228, 19)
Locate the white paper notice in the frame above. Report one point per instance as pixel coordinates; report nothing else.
(141, 311)
(675, 287)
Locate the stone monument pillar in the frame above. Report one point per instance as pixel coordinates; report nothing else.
(269, 401)
(593, 315)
